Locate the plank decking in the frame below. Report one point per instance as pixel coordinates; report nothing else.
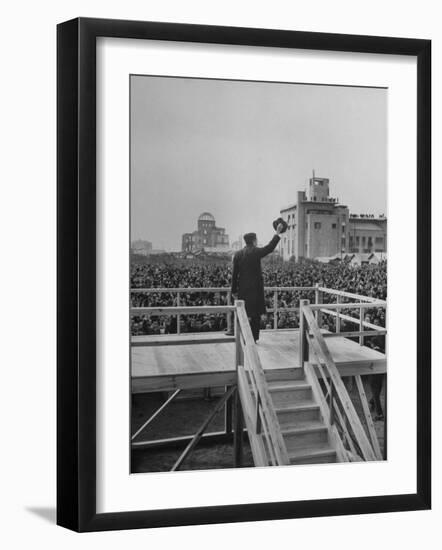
(167, 362)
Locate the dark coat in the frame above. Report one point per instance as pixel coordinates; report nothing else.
(247, 279)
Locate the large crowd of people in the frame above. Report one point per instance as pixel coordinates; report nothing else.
(366, 280)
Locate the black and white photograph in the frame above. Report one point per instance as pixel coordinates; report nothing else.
(258, 273)
(221, 265)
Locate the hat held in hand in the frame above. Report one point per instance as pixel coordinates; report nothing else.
(280, 221)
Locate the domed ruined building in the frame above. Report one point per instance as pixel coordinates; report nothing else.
(206, 237)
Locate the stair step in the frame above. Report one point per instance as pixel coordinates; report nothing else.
(275, 384)
(290, 393)
(313, 456)
(293, 416)
(291, 375)
(313, 436)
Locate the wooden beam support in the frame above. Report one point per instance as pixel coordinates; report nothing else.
(175, 340)
(201, 430)
(368, 419)
(350, 295)
(155, 414)
(185, 310)
(210, 438)
(238, 433)
(357, 305)
(385, 417)
(228, 413)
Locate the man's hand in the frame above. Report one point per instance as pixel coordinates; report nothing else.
(279, 229)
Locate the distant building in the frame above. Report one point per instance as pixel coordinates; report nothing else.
(206, 237)
(320, 227)
(367, 234)
(238, 244)
(317, 224)
(144, 248)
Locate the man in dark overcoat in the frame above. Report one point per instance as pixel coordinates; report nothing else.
(247, 281)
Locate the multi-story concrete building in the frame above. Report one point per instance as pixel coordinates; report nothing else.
(318, 226)
(206, 237)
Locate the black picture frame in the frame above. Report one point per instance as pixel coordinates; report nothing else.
(76, 273)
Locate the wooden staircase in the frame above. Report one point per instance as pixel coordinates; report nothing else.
(304, 431)
(304, 416)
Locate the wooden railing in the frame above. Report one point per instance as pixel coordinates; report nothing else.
(337, 310)
(330, 391)
(363, 304)
(266, 441)
(275, 309)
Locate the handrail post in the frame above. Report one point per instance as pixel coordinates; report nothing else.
(361, 325)
(178, 317)
(239, 354)
(238, 419)
(318, 295)
(303, 342)
(275, 309)
(338, 317)
(316, 299)
(229, 314)
(238, 432)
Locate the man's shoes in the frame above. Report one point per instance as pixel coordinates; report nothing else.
(229, 333)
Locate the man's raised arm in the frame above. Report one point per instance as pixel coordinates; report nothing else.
(268, 248)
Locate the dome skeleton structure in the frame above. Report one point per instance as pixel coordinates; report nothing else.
(206, 216)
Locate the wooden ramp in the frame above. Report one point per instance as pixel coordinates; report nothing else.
(169, 362)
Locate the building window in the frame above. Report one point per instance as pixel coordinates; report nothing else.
(379, 240)
(333, 226)
(317, 225)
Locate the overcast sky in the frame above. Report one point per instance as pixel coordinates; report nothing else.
(242, 150)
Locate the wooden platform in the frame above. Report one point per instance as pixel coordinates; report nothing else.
(168, 362)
